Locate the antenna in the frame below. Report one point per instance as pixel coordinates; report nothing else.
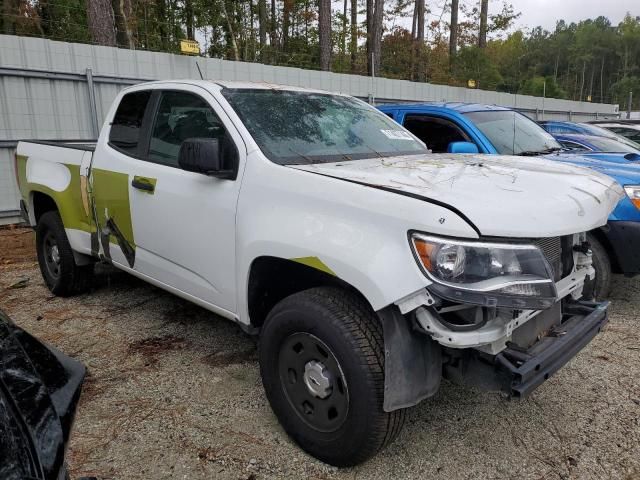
(199, 71)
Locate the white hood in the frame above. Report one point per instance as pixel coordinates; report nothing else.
(502, 196)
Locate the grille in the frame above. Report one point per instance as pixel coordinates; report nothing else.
(552, 250)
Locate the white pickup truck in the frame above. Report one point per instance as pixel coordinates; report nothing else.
(370, 268)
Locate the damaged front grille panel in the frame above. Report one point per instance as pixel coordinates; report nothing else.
(559, 253)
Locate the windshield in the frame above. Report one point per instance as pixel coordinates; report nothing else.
(611, 145)
(596, 130)
(301, 127)
(511, 133)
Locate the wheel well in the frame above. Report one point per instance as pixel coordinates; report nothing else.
(599, 234)
(272, 279)
(42, 203)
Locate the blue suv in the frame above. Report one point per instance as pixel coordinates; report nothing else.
(489, 129)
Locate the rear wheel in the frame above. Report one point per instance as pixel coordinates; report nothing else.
(322, 366)
(57, 263)
(600, 288)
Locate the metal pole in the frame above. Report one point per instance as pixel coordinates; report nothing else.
(629, 105)
(93, 109)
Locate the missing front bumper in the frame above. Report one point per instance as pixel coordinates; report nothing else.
(519, 371)
(524, 370)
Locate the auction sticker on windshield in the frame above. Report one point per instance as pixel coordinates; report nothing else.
(397, 135)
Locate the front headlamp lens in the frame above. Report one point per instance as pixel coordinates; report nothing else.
(450, 261)
(487, 273)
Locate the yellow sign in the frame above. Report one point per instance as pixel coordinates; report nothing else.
(190, 47)
(471, 84)
(589, 98)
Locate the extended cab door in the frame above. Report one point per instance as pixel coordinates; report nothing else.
(181, 230)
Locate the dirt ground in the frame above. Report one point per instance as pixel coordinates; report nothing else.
(174, 392)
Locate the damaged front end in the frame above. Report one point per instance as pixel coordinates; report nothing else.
(503, 316)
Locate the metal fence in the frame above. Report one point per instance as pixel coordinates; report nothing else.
(58, 90)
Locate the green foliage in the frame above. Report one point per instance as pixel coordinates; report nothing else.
(592, 58)
(543, 86)
(621, 90)
(473, 63)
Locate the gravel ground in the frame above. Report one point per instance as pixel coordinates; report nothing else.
(174, 392)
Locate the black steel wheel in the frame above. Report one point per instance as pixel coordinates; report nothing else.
(51, 252)
(322, 365)
(313, 382)
(57, 264)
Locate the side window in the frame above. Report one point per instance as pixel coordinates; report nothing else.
(627, 132)
(126, 126)
(180, 116)
(389, 114)
(436, 133)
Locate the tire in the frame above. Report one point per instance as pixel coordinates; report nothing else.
(57, 264)
(600, 288)
(338, 331)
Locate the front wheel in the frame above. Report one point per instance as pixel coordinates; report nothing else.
(57, 263)
(322, 365)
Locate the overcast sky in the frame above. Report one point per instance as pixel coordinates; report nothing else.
(547, 12)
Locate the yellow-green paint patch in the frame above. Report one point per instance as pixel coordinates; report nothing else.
(69, 201)
(316, 263)
(111, 197)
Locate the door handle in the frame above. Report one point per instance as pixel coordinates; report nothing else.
(144, 184)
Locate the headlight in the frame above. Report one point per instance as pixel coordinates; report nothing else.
(633, 192)
(487, 274)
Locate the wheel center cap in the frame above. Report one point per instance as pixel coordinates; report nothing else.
(318, 379)
(55, 254)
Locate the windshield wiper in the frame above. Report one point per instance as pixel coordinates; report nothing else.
(534, 153)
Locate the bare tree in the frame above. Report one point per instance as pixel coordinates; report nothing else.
(375, 10)
(123, 13)
(354, 34)
(324, 22)
(274, 26)
(230, 31)
(453, 35)
(484, 13)
(420, 11)
(8, 17)
(262, 21)
(188, 20)
(343, 43)
(101, 22)
(287, 8)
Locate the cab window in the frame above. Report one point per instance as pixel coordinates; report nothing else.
(437, 133)
(180, 116)
(125, 133)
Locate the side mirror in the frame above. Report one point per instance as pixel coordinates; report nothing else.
(632, 157)
(462, 147)
(208, 156)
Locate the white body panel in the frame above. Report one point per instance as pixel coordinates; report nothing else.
(502, 196)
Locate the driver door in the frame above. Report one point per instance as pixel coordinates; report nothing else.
(184, 222)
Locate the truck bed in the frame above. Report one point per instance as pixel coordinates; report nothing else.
(87, 145)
